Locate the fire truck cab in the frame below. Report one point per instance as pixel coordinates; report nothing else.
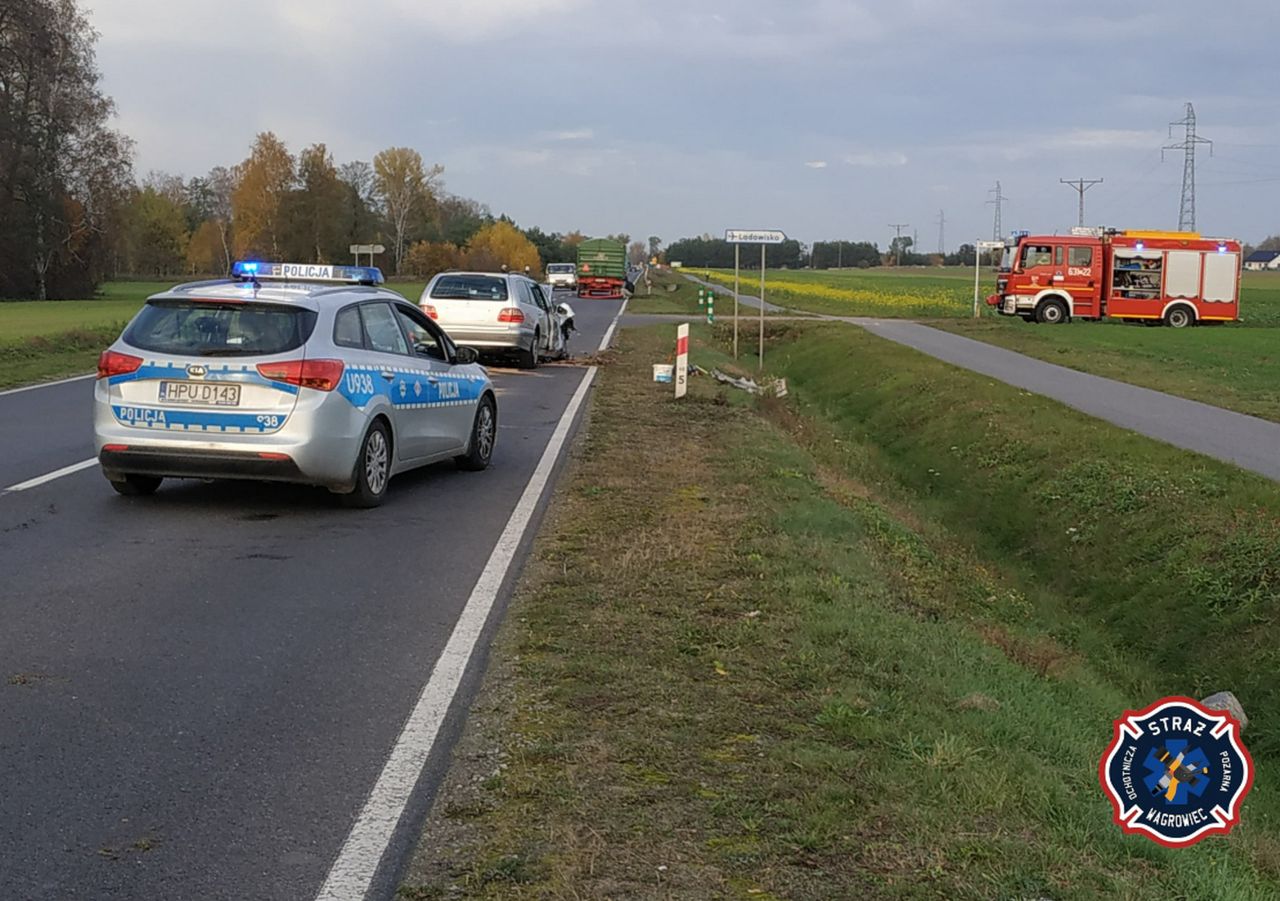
(1175, 278)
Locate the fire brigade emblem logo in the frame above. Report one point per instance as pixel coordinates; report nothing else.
(1176, 772)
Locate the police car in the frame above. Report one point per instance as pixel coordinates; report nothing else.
(280, 374)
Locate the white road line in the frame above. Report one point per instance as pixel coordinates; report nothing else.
(352, 872)
(50, 476)
(608, 335)
(74, 378)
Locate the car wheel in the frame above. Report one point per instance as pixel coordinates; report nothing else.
(134, 485)
(529, 358)
(1179, 317)
(373, 469)
(1051, 312)
(484, 435)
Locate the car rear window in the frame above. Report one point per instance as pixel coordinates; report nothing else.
(212, 329)
(469, 287)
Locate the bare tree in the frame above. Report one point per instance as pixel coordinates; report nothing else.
(405, 188)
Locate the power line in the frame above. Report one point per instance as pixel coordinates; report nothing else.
(897, 241)
(1081, 185)
(999, 205)
(1187, 210)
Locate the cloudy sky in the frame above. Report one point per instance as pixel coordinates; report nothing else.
(825, 118)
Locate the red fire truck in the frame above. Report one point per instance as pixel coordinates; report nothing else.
(1176, 278)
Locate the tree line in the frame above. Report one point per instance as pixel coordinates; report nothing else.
(72, 215)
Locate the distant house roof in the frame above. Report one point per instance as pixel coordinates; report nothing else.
(1262, 256)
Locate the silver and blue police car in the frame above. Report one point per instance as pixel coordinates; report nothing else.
(280, 374)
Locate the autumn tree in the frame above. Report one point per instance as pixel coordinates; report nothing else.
(64, 174)
(636, 252)
(405, 189)
(205, 250)
(502, 244)
(425, 258)
(655, 247)
(262, 183)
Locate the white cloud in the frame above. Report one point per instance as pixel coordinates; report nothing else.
(877, 159)
(570, 134)
(817, 164)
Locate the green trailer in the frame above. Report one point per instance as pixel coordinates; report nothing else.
(602, 268)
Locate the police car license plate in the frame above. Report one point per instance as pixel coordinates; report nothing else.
(200, 394)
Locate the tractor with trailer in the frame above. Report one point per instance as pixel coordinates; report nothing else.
(602, 268)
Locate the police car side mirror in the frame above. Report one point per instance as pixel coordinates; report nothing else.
(467, 355)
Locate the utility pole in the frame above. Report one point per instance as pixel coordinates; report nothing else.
(999, 205)
(1081, 185)
(897, 241)
(1187, 211)
(942, 232)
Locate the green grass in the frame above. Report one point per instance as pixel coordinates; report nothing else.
(672, 294)
(866, 642)
(1233, 367)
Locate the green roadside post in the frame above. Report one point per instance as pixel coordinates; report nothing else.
(699, 298)
(711, 308)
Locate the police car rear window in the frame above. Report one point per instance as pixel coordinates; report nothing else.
(469, 287)
(210, 329)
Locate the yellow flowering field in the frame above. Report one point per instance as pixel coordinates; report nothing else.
(903, 293)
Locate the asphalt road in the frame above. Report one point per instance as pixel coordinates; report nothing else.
(1246, 441)
(199, 689)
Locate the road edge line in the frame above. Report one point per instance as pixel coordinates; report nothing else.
(608, 334)
(50, 476)
(74, 378)
(352, 872)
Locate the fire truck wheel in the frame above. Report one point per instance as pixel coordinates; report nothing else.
(1051, 312)
(1179, 317)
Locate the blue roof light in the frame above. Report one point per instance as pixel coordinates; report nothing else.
(307, 272)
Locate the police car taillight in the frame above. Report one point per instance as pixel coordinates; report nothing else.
(510, 314)
(111, 363)
(430, 311)
(322, 375)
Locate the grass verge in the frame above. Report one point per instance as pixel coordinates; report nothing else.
(1236, 368)
(865, 642)
(46, 357)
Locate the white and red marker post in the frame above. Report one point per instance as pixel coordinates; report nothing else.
(682, 359)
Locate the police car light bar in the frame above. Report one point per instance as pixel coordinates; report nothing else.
(307, 272)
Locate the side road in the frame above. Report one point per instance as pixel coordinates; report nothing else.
(1246, 441)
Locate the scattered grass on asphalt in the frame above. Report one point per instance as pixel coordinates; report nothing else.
(864, 642)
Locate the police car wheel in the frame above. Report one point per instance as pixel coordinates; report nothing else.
(133, 485)
(484, 434)
(373, 469)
